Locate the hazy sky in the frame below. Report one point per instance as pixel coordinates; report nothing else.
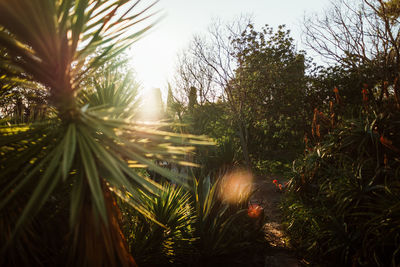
(154, 56)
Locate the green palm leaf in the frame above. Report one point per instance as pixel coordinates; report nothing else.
(89, 138)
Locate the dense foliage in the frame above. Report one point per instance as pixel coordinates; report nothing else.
(261, 116)
(195, 228)
(76, 156)
(343, 202)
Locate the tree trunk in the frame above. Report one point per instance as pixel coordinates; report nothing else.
(243, 144)
(96, 243)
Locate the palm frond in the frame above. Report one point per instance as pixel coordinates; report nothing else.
(90, 138)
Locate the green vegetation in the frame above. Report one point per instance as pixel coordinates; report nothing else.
(194, 228)
(269, 76)
(343, 202)
(88, 179)
(73, 157)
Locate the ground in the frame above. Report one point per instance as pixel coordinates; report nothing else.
(269, 196)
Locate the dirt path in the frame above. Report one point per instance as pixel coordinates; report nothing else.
(269, 196)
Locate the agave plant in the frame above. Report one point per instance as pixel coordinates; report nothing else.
(194, 228)
(168, 239)
(222, 228)
(88, 143)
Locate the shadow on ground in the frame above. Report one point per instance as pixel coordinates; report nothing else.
(269, 196)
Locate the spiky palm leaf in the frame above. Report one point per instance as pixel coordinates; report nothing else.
(60, 45)
(169, 239)
(219, 225)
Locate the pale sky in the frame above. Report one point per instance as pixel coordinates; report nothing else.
(154, 56)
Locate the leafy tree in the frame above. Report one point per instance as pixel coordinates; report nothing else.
(270, 87)
(392, 8)
(262, 80)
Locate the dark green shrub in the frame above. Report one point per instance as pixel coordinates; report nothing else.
(165, 236)
(193, 228)
(343, 202)
(222, 228)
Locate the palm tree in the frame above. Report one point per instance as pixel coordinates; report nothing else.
(88, 141)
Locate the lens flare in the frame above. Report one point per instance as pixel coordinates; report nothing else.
(236, 186)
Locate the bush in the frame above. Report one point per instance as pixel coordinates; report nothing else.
(272, 166)
(163, 235)
(343, 202)
(189, 228)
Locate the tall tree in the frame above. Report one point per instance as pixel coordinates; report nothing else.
(261, 77)
(362, 36)
(215, 52)
(270, 87)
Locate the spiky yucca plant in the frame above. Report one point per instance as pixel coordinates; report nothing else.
(223, 229)
(87, 148)
(194, 228)
(168, 239)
